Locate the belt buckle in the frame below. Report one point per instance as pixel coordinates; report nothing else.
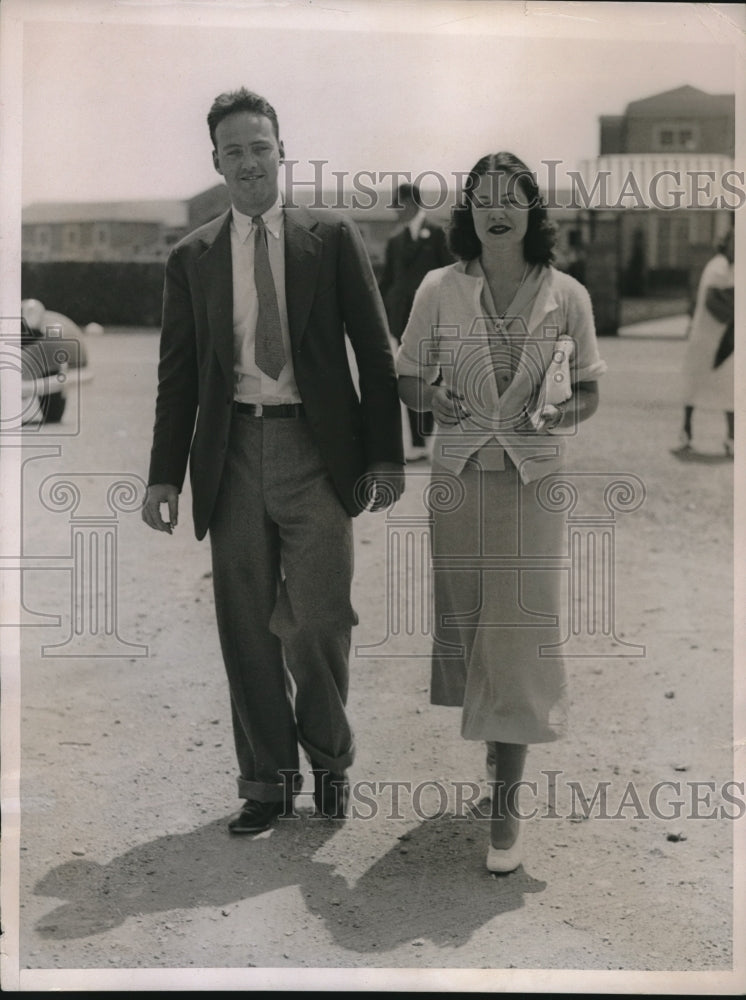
(259, 410)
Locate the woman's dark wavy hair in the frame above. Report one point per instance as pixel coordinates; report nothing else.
(541, 234)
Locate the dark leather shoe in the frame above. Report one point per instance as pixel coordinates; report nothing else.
(255, 817)
(331, 793)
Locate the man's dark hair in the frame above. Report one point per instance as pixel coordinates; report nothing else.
(408, 192)
(541, 234)
(240, 100)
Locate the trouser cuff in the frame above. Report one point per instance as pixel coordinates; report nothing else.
(266, 791)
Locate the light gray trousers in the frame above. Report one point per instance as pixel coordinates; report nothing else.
(282, 556)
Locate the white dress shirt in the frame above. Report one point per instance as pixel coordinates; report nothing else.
(415, 225)
(252, 385)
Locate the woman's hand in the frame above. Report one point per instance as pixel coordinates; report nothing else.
(551, 416)
(447, 406)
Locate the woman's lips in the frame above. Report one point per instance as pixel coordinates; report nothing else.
(499, 230)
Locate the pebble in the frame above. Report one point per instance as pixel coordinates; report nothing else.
(79, 852)
(675, 837)
(670, 694)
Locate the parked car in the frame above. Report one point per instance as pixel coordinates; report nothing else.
(53, 356)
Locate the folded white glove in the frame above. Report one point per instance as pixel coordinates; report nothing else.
(556, 387)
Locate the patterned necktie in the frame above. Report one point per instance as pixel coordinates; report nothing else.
(269, 352)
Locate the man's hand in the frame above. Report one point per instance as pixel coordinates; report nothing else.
(151, 509)
(385, 484)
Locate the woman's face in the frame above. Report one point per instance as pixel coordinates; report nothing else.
(499, 208)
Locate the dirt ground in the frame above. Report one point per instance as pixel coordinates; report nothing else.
(127, 872)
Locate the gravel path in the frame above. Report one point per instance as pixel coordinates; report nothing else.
(127, 773)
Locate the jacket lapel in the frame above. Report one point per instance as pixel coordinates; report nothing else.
(474, 357)
(216, 271)
(302, 260)
(537, 349)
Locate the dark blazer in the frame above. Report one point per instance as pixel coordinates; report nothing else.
(407, 263)
(330, 290)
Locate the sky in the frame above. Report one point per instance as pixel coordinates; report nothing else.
(114, 96)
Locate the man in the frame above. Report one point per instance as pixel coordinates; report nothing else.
(255, 390)
(417, 247)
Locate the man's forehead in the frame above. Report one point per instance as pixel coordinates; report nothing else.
(242, 122)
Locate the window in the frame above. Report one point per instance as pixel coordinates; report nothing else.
(676, 137)
(71, 237)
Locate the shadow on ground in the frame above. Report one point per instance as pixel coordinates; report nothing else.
(432, 885)
(701, 457)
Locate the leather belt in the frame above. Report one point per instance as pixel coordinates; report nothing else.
(270, 410)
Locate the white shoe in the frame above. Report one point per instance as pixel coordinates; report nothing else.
(506, 859)
(418, 455)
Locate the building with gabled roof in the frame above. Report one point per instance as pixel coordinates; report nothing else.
(667, 167)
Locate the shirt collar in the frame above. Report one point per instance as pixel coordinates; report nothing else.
(540, 281)
(273, 219)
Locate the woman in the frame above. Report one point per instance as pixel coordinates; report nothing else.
(481, 336)
(708, 364)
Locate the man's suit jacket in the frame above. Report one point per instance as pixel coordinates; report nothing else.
(407, 263)
(330, 289)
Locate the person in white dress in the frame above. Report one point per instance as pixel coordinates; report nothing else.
(489, 342)
(708, 368)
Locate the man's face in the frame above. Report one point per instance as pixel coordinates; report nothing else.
(248, 155)
(407, 209)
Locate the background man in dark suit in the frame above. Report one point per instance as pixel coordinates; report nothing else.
(255, 391)
(417, 247)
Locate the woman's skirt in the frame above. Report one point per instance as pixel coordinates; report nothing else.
(497, 574)
(706, 387)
